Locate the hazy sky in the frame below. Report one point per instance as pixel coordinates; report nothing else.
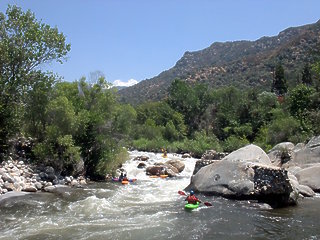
(138, 39)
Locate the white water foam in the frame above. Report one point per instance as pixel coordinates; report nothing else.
(145, 191)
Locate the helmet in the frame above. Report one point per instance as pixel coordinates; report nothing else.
(191, 192)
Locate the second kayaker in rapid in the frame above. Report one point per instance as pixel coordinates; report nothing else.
(192, 199)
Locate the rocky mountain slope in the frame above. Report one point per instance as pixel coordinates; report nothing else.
(240, 63)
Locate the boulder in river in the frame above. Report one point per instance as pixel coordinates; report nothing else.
(161, 168)
(155, 170)
(246, 174)
(141, 165)
(202, 163)
(141, 158)
(310, 177)
(306, 191)
(179, 165)
(186, 155)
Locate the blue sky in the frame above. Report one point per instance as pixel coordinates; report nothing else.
(138, 39)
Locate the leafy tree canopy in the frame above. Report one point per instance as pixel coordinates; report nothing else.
(25, 44)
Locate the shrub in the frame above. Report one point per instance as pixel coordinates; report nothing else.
(233, 143)
(170, 132)
(283, 129)
(199, 144)
(106, 165)
(262, 139)
(154, 145)
(61, 154)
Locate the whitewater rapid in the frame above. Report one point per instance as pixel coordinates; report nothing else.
(150, 208)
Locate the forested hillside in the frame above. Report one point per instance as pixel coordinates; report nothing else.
(242, 64)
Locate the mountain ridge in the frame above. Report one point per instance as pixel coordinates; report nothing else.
(241, 63)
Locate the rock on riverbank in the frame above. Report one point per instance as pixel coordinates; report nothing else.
(20, 177)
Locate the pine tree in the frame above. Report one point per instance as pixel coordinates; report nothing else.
(279, 85)
(306, 75)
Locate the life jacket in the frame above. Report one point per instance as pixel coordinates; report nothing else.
(192, 199)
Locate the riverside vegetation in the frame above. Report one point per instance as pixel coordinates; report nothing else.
(83, 122)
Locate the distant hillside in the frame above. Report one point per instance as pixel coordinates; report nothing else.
(119, 87)
(239, 63)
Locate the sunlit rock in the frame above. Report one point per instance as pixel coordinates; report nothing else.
(179, 165)
(310, 177)
(246, 174)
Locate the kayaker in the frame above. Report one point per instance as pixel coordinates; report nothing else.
(164, 152)
(125, 178)
(192, 199)
(121, 177)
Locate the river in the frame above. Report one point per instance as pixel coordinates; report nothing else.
(151, 209)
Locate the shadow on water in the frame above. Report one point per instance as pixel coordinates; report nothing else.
(299, 222)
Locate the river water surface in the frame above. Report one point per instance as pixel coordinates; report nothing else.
(151, 209)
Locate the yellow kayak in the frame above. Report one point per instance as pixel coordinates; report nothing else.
(154, 176)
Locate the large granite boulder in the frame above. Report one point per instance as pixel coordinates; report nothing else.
(209, 157)
(281, 153)
(310, 177)
(306, 156)
(246, 174)
(202, 163)
(302, 189)
(302, 160)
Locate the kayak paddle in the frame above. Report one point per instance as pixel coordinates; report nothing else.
(184, 194)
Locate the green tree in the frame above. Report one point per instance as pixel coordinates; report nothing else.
(279, 85)
(125, 119)
(170, 132)
(36, 102)
(283, 128)
(25, 44)
(191, 101)
(226, 103)
(199, 143)
(300, 101)
(60, 115)
(261, 110)
(316, 70)
(57, 147)
(306, 75)
(183, 99)
(161, 113)
(97, 105)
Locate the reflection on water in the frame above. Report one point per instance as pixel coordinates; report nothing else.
(150, 209)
